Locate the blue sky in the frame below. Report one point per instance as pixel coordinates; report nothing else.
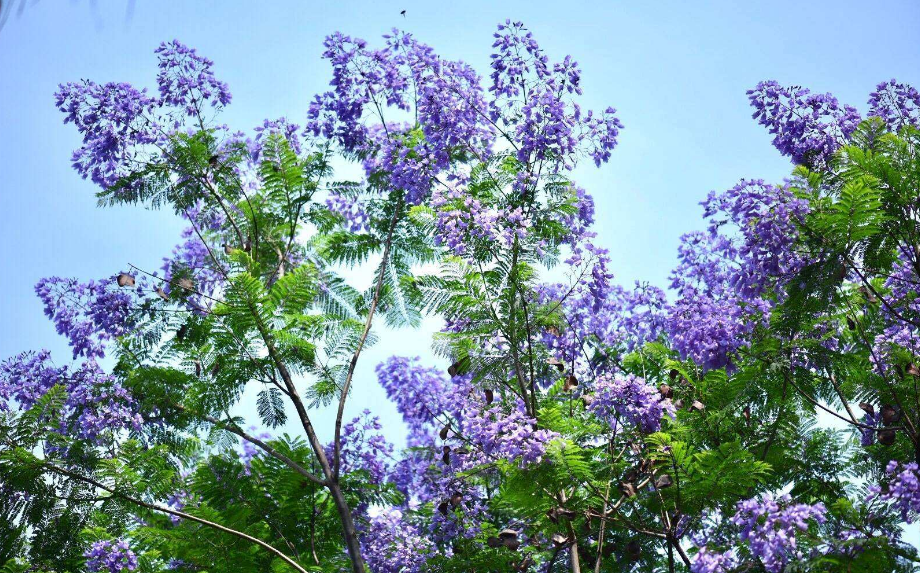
(676, 71)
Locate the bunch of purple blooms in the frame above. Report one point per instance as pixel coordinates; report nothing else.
(113, 556)
(769, 525)
(390, 544)
(903, 489)
(629, 399)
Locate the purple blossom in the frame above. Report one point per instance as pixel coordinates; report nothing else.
(390, 544)
(186, 80)
(806, 127)
(896, 103)
(89, 314)
(707, 561)
(903, 491)
(113, 119)
(769, 525)
(96, 404)
(629, 399)
(114, 556)
(364, 448)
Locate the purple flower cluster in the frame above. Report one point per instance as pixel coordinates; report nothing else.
(806, 127)
(114, 556)
(89, 314)
(114, 120)
(769, 525)
(420, 393)
(351, 209)
(196, 259)
(389, 544)
(536, 101)
(902, 283)
(123, 126)
(186, 80)
(749, 249)
(96, 402)
(903, 490)
(464, 221)
(810, 127)
(364, 448)
(629, 399)
(708, 561)
(896, 103)
(501, 435)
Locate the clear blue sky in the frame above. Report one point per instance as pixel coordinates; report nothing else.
(676, 71)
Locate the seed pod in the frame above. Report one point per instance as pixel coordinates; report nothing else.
(867, 408)
(746, 412)
(868, 294)
(227, 249)
(559, 540)
(212, 161)
(628, 489)
(456, 498)
(886, 437)
(507, 534)
(553, 515)
(490, 395)
(890, 414)
(443, 432)
(553, 330)
(162, 293)
(913, 370)
(633, 550)
(186, 283)
(850, 324)
(445, 455)
(248, 246)
(556, 362)
(458, 367)
(124, 279)
(565, 513)
(494, 542)
(198, 368)
(215, 370)
(525, 563)
(442, 507)
(570, 382)
(512, 544)
(180, 334)
(665, 391)
(587, 399)
(697, 406)
(679, 404)
(663, 481)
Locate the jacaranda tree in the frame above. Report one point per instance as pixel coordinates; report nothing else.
(762, 413)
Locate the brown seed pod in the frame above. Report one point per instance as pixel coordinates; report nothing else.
(850, 324)
(663, 481)
(445, 455)
(587, 399)
(186, 283)
(697, 406)
(556, 362)
(565, 513)
(552, 515)
(125, 280)
(456, 498)
(443, 432)
(559, 540)
(673, 374)
(228, 250)
(180, 334)
(867, 408)
(442, 507)
(525, 563)
(913, 370)
(868, 294)
(490, 395)
(512, 544)
(679, 404)
(628, 489)
(746, 412)
(215, 370)
(458, 367)
(570, 382)
(162, 293)
(198, 368)
(633, 550)
(886, 437)
(666, 391)
(494, 542)
(890, 414)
